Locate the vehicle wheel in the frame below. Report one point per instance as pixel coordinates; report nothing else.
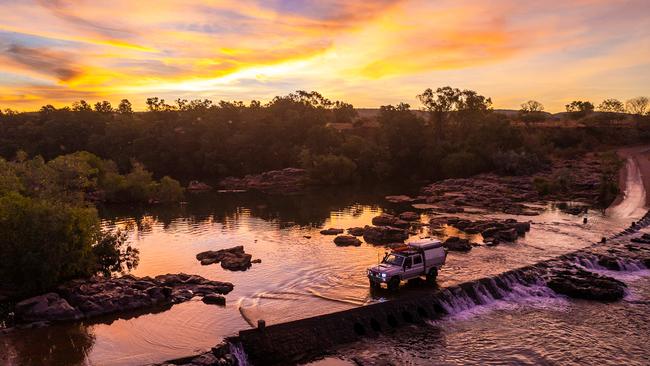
(374, 284)
(393, 284)
(432, 275)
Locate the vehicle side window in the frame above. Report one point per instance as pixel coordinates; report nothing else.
(417, 259)
(407, 262)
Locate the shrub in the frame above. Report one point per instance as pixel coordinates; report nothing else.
(44, 242)
(328, 169)
(462, 164)
(516, 163)
(169, 190)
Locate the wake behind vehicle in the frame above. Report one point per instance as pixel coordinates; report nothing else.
(413, 260)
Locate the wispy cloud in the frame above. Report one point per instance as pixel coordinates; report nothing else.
(365, 52)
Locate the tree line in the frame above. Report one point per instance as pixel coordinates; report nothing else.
(199, 139)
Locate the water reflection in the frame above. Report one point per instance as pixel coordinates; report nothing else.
(302, 272)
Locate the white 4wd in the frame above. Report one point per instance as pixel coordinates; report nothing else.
(415, 259)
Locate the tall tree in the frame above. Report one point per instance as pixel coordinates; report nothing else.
(103, 107)
(439, 103)
(611, 105)
(638, 105)
(124, 107)
(532, 106)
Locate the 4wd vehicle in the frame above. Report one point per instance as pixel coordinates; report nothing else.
(415, 259)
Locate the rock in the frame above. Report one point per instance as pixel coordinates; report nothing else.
(457, 244)
(331, 231)
(50, 307)
(347, 240)
(221, 349)
(214, 299)
(234, 259)
(522, 227)
(581, 284)
(256, 260)
(383, 220)
(507, 235)
(284, 181)
(83, 299)
(400, 199)
(197, 186)
(356, 231)
(384, 234)
(401, 224)
(409, 216)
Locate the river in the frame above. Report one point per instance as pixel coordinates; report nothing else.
(304, 274)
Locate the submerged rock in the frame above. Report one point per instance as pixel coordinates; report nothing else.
(331, 231)
(581, 284)
(347, 240)
(214, 299)
(356, 231)
(383, 220)
(457, 244)
(409, 216)
(384, 234)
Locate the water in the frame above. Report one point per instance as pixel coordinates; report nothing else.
(531, 326)
(298, 277)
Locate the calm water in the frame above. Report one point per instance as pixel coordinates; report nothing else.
(298, 277)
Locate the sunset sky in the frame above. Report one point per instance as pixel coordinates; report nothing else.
(368, 53)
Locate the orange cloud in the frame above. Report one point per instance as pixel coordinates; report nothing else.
(58, 51)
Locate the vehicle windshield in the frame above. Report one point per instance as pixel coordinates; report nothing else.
(393, 259)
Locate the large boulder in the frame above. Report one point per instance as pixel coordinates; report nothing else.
(507, 235)
(384, 234)
(214, 299)
(581, 284)
(457, 244)
(48, 307)
(383, 220)
(409, 216)
(234, 259)
(356, 231)
(347, 240)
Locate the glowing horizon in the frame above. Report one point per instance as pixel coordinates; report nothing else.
(365, 53)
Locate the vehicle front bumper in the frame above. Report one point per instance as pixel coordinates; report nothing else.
(377, 278)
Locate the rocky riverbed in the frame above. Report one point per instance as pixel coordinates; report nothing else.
(86, 299)
(575, 180)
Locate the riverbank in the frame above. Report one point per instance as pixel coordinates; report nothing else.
(302, 274)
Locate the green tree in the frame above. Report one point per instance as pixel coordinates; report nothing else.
(611, 105)
(81, 106)
(125, 107)
(43, 242)
(103, 107)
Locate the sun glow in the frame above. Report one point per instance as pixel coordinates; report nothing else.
(366, 53)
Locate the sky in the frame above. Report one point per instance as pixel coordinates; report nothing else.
(368, 53)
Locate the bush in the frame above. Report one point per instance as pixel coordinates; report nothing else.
(169, 190)
(328, 169)
(514, 163)
(462, 164)
(44, 242)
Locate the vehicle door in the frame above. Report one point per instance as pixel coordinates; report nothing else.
(417, 266)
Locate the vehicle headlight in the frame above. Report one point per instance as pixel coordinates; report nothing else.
(383, 275)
